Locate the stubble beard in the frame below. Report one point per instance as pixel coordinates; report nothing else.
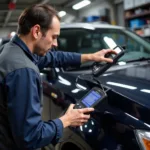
(38, 50)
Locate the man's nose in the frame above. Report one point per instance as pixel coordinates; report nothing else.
(55, 43)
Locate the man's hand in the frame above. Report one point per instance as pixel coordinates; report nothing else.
(98, 56)
(75, 117)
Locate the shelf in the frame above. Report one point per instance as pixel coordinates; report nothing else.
(138, 15)
(140, 6)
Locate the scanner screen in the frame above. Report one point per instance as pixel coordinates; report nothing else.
(91, 98)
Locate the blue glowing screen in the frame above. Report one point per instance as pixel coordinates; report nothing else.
(91, 98)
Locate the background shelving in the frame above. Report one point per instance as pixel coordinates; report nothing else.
(137, 16)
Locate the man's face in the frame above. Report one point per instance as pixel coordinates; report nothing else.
(45, 42)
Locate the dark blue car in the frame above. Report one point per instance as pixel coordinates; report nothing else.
(123, 121)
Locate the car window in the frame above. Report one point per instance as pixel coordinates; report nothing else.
(90, 41)
(78, 40)
(136, 47)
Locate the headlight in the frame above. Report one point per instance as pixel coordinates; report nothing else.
(143, 138)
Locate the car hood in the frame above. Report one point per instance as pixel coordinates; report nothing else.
(130, 86)
(131, 80)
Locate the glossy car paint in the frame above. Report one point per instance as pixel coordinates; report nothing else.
(126, 109)
(112, 126)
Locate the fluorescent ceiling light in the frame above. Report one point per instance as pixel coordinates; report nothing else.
(145, 90)
(81, 4)
(62, 13)
(122, 85)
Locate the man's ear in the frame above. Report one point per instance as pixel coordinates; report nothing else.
(36, 31)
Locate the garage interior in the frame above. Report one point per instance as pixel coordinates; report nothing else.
(133, 14)
(125, 21)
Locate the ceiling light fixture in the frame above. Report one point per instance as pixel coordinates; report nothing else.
(81, 4)
(61, 13)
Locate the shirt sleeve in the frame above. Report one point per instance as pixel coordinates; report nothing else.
(24, 111)
(59, 59)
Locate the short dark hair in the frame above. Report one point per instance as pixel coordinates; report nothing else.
(41, 14)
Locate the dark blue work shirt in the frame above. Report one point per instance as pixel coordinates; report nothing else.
(24, 100)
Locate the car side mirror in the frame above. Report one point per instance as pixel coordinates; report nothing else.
(51, 74)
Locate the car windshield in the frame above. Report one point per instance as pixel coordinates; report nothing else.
(89, 41)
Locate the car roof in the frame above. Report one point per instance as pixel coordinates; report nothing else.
(91, 26)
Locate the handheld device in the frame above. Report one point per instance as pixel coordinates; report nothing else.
(99, 68)
(91, 99)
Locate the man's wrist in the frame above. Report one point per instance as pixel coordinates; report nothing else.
(86, 57)
(65, 121)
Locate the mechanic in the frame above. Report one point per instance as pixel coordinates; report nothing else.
(21, 126)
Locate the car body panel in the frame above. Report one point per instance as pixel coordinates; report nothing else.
(112, 126)
(89, 26)
(124, 111)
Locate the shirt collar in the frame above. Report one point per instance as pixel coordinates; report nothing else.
(24, 47)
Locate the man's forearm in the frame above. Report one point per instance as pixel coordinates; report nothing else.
(86, 57)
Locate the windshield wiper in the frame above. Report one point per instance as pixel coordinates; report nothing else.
(139, 59)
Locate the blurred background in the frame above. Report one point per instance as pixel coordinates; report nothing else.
(133, 14)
